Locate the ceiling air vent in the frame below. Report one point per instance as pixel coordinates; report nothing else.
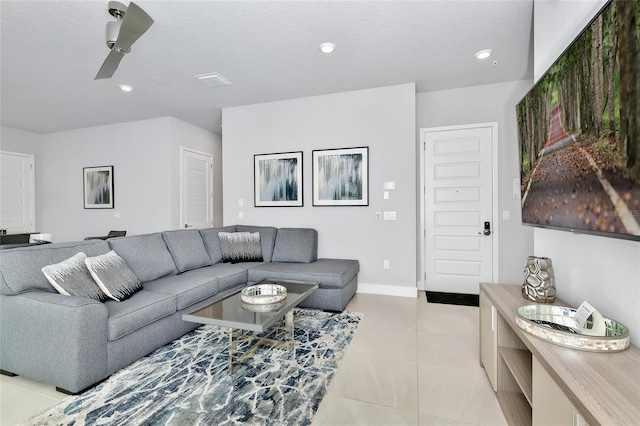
(213, 79)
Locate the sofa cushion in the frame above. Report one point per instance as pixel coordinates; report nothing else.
(147, 255)
(113, 276)
(21, 268)
(267, 238)
(296, 245)
(212, 242)
(72, 278)
(330, 273)
(240, 247)
(228, 275)
(188, 288)
(187, 248)
(139, 310)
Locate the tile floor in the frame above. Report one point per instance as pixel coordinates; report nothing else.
(410, 363)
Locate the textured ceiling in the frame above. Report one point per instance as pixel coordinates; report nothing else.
(52, 50)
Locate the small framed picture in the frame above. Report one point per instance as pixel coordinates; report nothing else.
(278, 179)
(341, 177)
(98, 187)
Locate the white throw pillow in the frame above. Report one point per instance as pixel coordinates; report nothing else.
(113, 276)
(72, 278)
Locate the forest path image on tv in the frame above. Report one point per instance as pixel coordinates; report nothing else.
(579, 131)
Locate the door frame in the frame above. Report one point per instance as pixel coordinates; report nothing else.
(183, 150)
(421, 283)
(32, 158)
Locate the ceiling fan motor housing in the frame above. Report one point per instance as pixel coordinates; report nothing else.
(113, 29)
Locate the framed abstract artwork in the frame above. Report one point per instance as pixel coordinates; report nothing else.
(341, 177)
(278, 179)
(98, 187)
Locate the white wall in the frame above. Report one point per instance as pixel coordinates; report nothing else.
(145, 155)
(482, 104)
(555, 25)
(24, 142)
(382, 119)
(604, 271)
(17, 140)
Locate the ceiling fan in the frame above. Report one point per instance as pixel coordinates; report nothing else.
(130, 24)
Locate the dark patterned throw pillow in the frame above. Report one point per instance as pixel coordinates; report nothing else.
(72, 278)
(113, 276)
(240, 247)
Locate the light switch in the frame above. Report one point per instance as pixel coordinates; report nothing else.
(240, 215)
(386, 195)
(116, 215)
(506, 215)
(389, 215)
(240, 202)
(389, 185)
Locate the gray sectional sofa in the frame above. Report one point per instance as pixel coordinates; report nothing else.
(75, 342)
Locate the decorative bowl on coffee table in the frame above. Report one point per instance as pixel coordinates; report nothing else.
(263, 294)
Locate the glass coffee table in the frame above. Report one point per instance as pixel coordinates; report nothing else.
(233, 313)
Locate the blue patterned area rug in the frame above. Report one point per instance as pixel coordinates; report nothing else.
(187, 382)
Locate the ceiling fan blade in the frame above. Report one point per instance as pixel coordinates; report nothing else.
(110, 65)
(135, 23)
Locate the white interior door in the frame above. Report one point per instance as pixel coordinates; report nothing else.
(17, 193)
(196, 193)
(458, 207)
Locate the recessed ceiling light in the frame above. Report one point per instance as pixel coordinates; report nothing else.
(327, 47)
(484, 54)
(125, 87)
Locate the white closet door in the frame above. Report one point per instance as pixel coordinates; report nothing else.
(196, 192)
(17, 193)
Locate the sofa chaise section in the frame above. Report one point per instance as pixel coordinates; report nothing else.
(337, 278)
(295, 258)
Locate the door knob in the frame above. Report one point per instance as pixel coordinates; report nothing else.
(487, 228)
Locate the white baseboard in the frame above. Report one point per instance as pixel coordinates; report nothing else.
(387, 290)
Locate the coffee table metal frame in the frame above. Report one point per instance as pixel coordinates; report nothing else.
(228, 312)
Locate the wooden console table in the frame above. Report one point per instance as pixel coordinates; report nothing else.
(540, 383)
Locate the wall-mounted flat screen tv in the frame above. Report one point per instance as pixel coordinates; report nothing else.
(579, 132)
